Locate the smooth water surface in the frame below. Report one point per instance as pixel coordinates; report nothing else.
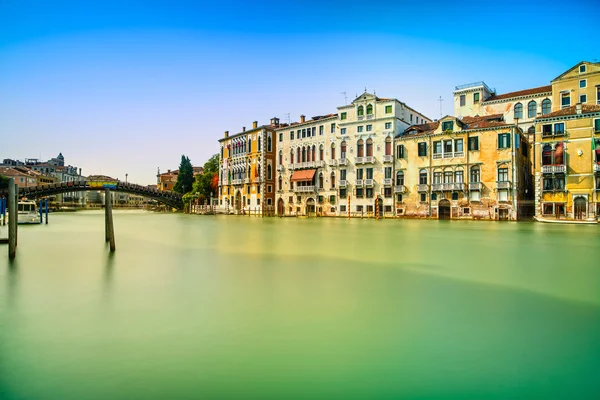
(215, 307)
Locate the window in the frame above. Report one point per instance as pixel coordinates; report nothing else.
(583, 83)
(280, 157)
(269, 143)
(531, 109)
(447, 146)
(259, 142)
(502, 174)
(411, 117)
(582, 68)
(546, 106)
(475, 174)
(388, 109)
(597, 125)
(269, 189)
(333, 128)
(333, 151)
(314, 131)
(359, 194)
(463, 100)
(433, 196)
(447, 126)
(359, 173)
(291, 156)
(422, 148)
(583, 98)
(369, 128)
(437, 147)
(359, 128)
(343, 149)
(369, 147)
(281, 137)
(388, 125)
(369, 173)
(476, 97)
(399, 178)
(553, 155)
(454, 195)
(559, 129)
(565, 99)
(598, 94)
(502, 195)
(388, 146)
(400, 150)
(423, 177)
(554, 182)
(518, 111)
(280, 184)
(437, 177)
(369, 192)
(343, 116)
(475, 195)
(343, 193)
(321, 180)
(399, 197)
(360, 111)
(458, 176)
(423, 197)
(369, 109)
(474, 143)
(360, 149)
(303, 133)
(503, 140)
(332, 178)
(458, 145)
(321, 151)
(343, 131)
(342, 208)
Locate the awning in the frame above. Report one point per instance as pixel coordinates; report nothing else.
(303, 175)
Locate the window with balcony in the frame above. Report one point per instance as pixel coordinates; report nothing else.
(447, 176)
(447, 146)
(360, 111)
(565, 99)
(518, 111)
(502, 174)
(458, 176)
(332, 177)
(280, 157)
(359, 173)
(399, 178)
(343, 150)
(463, 100)
(458, 145)
(437, 148)
(388, 109)
(303, 154)
(422, 149)
(369, 147)
(553, 155)
(474, 143)
(546, 106)
(333, 151)
(437, 177)
(369, 173)
(314, 153)
(423, 177)
(360, 148)
(387, 173)
(503, 140)
(447, 126)
(400, 151)
(531, 109)
(554, 182)
(320, 180)
(342, 174)
(388, 146)
(343, 116)
(369, 109)
(321, 152)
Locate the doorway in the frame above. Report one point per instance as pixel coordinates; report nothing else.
(580, 208)
(444, 209)
(280, 208)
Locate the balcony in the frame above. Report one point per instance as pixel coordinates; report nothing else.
(310, 164)
(370, 116)
(369, 160)
(503, 185)
(290, 166)
(387, 181)
(256, 180)
(360, 182)
(437, 187)
(551, 134)
(459, 154)
(388, 158)
(305, 189)
(422, 188)
(343, 161)
(332, 162)
(369, 182)
(554, 169)
(361, 117)
(342, 183)
(475, 186)
(358, 160)
(596, 167)
(436, 156)
(458, 186)
(279, 168)
(237, 181)
(320, 164)
(399, 189)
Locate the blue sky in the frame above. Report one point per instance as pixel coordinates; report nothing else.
(127, 88)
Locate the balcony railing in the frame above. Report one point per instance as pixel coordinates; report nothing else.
(279, 168)
(320, 163)
(290, 166)
(503, 185)
(553, 134)
(369, 182)
(554, 169)
(387, 181)
(342, 183)
(437, 155)
(459, 186)
(343, 161)
(596, 167)
(422, 188)
(369, 160)
(360, 182)
(370, 116)
(237, 181)
(459, 154)
(359, 160)
(475, 186)
(332, 162)
(361, 117)
(437, 187)
(305, 189)
(399, 189)
(388, 158)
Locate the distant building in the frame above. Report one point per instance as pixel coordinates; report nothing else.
(166, 181)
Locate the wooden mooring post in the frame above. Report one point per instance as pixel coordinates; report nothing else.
(108, 219)
(12, 219)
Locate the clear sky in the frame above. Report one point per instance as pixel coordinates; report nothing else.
(129, 86)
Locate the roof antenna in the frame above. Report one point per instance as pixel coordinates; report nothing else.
(288, 118)
(440, 100)
(345, 98)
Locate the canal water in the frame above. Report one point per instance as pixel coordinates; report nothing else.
(215, 307)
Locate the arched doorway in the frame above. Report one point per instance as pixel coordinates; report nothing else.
(310, 206)
(580, 208)
(280, 207)
(444, 209)
(238, 201)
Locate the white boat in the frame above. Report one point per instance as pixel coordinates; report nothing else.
(27, 212)
(566, 221)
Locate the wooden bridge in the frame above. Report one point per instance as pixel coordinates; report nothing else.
(171, 199)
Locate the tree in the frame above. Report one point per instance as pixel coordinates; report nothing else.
(4, 181)
(205, 183)
(185, 178)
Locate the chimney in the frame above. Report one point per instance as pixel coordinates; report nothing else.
(255, 125)
(578, 108)
(226, 134)
(302, 119)
(275, 122)
(243, 129)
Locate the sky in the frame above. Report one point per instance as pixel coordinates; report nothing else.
(127, 87)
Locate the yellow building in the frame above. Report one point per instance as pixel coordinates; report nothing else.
(247, 170)
(470, 168)
(567, 163)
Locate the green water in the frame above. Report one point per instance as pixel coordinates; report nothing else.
(193, 307)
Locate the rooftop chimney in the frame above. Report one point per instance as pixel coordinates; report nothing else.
(243, 129)
(226, 134)
(578, 108)
(255, 125)
(275, 121)
(302, 119)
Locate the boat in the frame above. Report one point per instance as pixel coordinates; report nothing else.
(27, 212)
(566, 221)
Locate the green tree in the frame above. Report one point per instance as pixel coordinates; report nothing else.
(185, 178)
(204, 184)
(4, 181)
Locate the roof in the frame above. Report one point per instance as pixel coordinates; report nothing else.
(303, 175)
(519, 93)
(573, 67)
(467, 123)
(585, 109)
(310, 121)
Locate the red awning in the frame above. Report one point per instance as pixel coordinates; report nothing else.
(303, 175)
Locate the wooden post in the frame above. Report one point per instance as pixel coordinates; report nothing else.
(13, 219)
(110, 229)
(47, 207)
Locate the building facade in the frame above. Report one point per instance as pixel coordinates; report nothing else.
(469, 168)
(247, 170)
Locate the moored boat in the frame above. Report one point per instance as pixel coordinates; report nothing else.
(566, 221)
(27, 212)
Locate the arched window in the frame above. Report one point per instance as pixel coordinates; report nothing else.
(269, 172)
(343, 150)
(299, 155)
(423, 177)
(360, 111)
(546, 106)
(519, 110)
(369, 147)
(320, 180)
(321, 153)
(369, 109)
(269, 143)
(333, 151)
(531, 109)
(280, 157)
(314, 153)
(259, 142)
(291, 156)
(399, 178)
(249, 145)
(547, 155)
(280, 183)
(360, 148)
(475, 174)
(308, 154)
(332, 177)
(531, 130)
(559, 154)
(304, 154)
(222, 148)
(388, 146)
